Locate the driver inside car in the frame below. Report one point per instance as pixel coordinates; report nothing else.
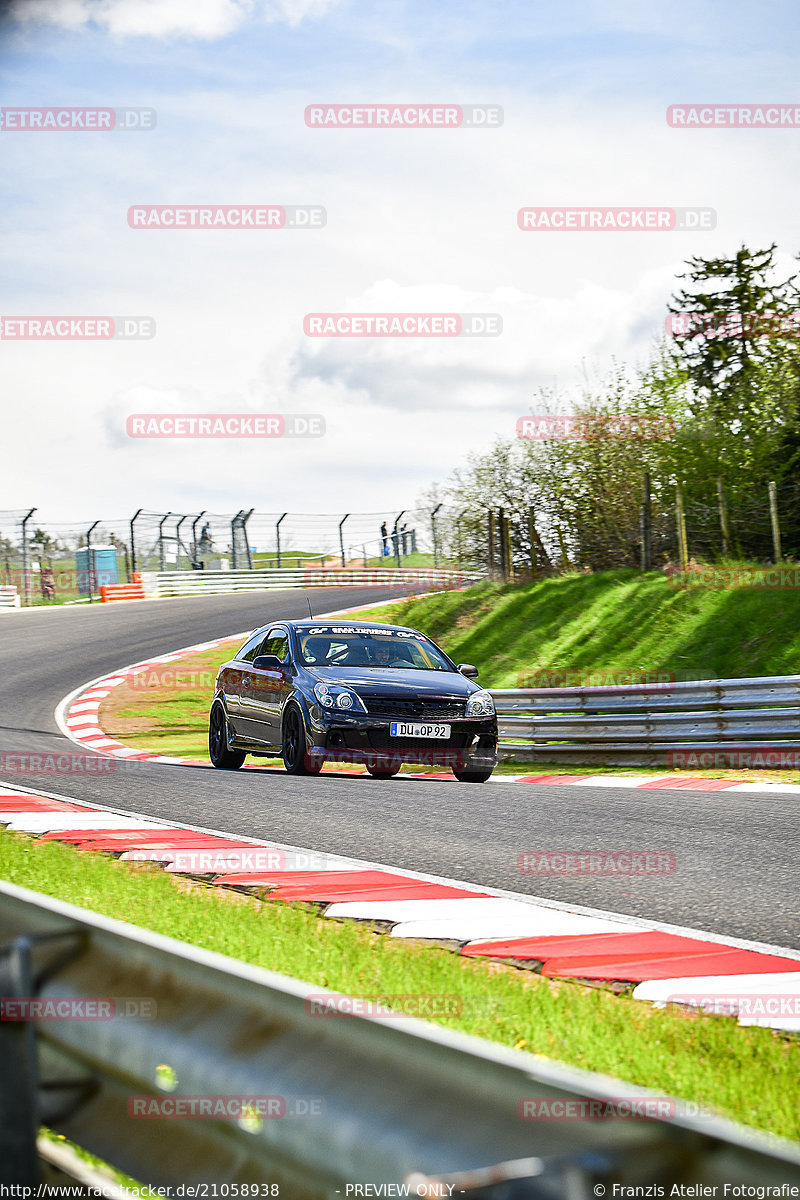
(316, 650)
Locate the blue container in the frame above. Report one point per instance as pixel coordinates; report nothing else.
(101, 571)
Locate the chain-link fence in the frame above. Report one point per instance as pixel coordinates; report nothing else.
(58, 562)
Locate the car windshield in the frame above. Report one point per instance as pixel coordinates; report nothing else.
(399, 650)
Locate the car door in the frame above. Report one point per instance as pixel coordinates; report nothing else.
(230, 678)
(260, 695)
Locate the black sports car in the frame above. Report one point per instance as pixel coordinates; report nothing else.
(381, 695)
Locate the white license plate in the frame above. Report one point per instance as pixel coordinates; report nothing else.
(418, 729)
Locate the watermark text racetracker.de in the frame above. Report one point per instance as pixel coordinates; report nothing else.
(403, 116)
(723, 578)
(402, 324)
(225, 425)
(756, 757)
(70, 762)
(76, 329)
(582, 677)
(390, 1004)
(733, 324)
(227, 216)
(619, 219)
(77, 1008)
(596, 862)
(734, 116)
(77, 120)
(622, 427)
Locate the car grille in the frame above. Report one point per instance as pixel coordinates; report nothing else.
(434, 709)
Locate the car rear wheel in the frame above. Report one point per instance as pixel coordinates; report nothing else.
(472, 776)
(295, 754)
(219, 752)
(383, 772)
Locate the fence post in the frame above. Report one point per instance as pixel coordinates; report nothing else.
(25, 581)
(563, 547)
(723, 518)
(198, 518)
(501, 525)
(680, 520)
(341, 536)
(509, 556)
(433, 535)
(133, 539)
(162, 562)
(773, 516)
(396, 536)
(90, 562)
(532, 536)
(492, 553)
(278, 537)
(647, 526)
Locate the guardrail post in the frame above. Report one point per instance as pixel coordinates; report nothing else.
(19, 1116)
(773, 516)
(680, 521)
(647, 526)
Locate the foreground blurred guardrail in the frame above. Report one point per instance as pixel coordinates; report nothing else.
(704, 722)
(349, 1101)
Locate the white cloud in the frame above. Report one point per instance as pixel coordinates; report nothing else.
(202, 19)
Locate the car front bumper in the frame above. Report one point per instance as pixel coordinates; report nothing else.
(361, 738)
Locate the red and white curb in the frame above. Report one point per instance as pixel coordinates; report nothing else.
(757, 983)
(78, 719)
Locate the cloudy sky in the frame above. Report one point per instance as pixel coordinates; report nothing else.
(417, 221)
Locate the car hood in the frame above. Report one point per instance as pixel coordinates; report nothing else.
(392, 682)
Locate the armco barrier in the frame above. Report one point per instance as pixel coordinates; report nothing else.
(9, 597)
(195, 583)
(705, 722)
(356, 1101)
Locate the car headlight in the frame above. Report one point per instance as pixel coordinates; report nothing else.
(338, 697)
(480, 704)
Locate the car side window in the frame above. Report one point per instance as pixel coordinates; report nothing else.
(251, 647)
(277, 643)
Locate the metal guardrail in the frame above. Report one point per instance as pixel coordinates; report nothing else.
(393, 1102)
(645, 725)
(191, 583)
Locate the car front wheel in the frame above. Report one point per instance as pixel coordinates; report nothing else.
(295, 754)
(383, 772)
(472, 776)
(219, 752)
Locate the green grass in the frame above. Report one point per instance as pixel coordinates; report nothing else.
(613, 622)
(748, 1074)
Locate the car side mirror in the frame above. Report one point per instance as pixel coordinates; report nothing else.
(267, 662)
(468, 670)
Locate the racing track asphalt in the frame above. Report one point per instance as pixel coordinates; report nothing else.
(736, 853)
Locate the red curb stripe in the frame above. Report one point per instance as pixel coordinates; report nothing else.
(700, 785)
